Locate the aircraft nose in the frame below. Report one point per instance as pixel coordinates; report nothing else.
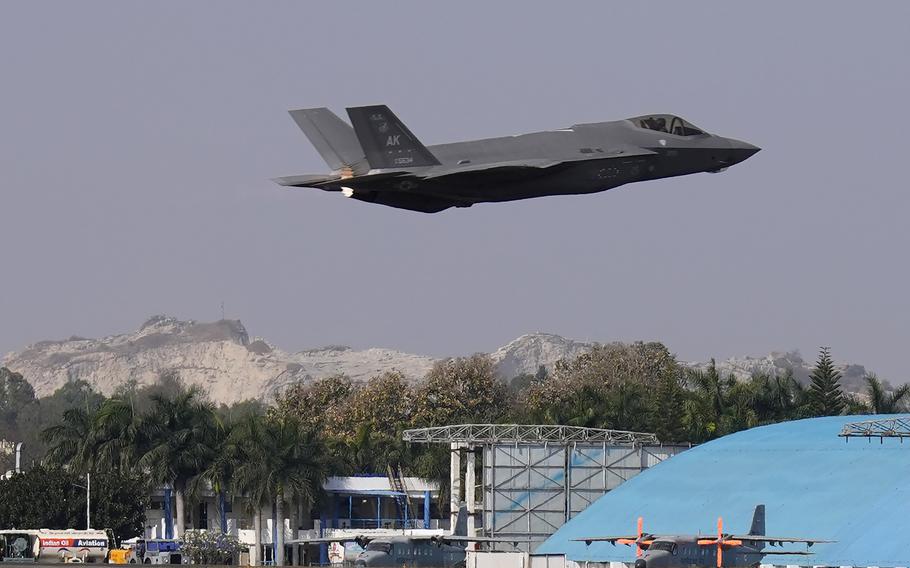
(740, 151)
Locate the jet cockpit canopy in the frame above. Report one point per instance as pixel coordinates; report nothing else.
(667, 123)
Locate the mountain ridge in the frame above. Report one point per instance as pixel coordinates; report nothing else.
(226, 362)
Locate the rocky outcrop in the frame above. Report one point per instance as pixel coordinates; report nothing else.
(778, 363)
(222, 359)
(219, 357)
(525, 355)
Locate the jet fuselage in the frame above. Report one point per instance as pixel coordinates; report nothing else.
(398, 171)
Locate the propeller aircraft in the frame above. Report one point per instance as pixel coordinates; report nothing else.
(724, 550)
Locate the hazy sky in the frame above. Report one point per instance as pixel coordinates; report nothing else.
(137, 142)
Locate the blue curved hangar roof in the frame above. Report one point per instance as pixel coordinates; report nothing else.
(812, 482)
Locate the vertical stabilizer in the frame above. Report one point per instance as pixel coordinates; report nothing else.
(758, 521)
(386, 141)
(333, 138)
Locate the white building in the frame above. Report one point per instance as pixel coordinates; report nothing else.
(352, 505)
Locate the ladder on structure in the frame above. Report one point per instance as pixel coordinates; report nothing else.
(396, 482)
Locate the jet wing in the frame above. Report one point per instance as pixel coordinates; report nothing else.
(535, 164)
(532, 165)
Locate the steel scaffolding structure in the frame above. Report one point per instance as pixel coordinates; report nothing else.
(897, 427)
(536, 477)
(478, 434)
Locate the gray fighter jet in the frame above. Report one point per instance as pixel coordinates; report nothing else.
(380, 161)
(725, 550)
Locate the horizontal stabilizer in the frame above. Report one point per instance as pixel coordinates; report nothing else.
(333, 138)
(311, 180)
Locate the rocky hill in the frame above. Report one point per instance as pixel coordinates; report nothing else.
(526, 354)
(777, 363)
(221, 358)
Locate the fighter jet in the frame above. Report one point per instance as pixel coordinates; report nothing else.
(380, 160)
(726, 550)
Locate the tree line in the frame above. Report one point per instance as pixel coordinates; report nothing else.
(167, 434)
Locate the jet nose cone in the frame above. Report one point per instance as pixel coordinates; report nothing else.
(740, 151)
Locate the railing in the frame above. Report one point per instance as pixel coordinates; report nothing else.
(393, 524)
(524, 433)
(898, 427)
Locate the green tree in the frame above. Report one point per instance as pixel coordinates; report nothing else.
(463, 389)
(614, 363)
(15, 394)
(119, 502)
(883, 401)
(244, 446)
(779, 397)
(50, 497)
(115, 435)
(667, 406)
(48, 411)
(70, 441)
(178, 437)
(825, 395)
(219, 471)
(282, 461)
(320, 404)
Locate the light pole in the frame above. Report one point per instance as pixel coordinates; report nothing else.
(88, 500)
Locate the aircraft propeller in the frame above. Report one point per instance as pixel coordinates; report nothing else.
(642, 542)
(721, 542)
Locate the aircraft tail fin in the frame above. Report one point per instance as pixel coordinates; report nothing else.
(333, 138)
(386, 141)
(758, 521)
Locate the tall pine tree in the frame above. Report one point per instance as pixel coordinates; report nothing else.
(825, 395)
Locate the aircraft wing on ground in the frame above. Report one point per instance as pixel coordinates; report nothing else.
(359, 539)
(481, 539)
(622, 539)
(773, 539)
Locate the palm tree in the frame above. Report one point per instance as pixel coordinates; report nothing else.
(282, 462)
(243, 448)
(883, 402)
(178, 436)
(220, 470)
(115, 427)
(70, 440)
